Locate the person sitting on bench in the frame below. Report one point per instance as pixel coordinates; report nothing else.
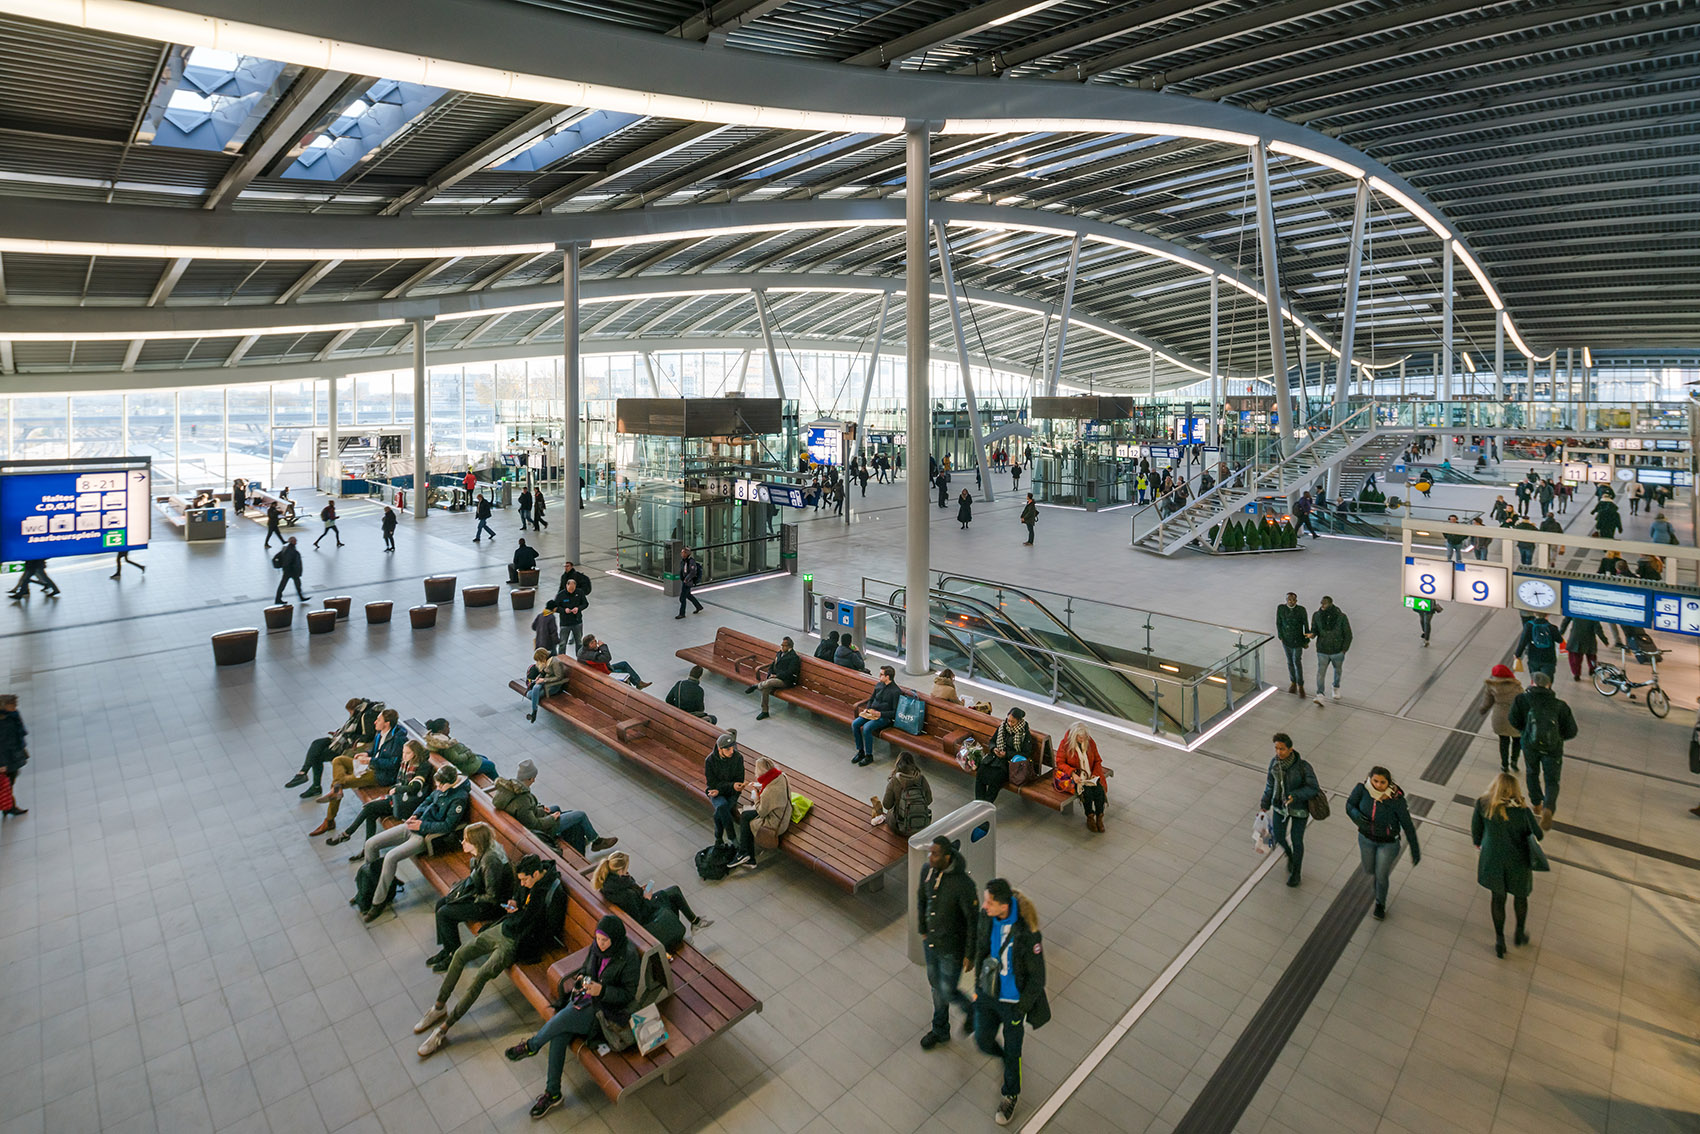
(412, 785)
(571, 827)
(686, 694)
(848, 656)
(525, 559)
(546, 677)
(353, 735)
(481, 896)
(784, 673)
(444, 810)
(875, 715)
(605, 986)
(723, 772)
(1012, 739)
(530, 927)
(468, 762)
(663, 912)
(377, 769)
(594, 653)
(763, 824)
(828, 647)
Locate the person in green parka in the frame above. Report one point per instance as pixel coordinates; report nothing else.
(1500, 827)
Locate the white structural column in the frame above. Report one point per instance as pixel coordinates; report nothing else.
(570, 369)
(654, 380)
(330, 439)
(954, 305)
(1151, 372)
(1304, 378)
(1447, 359)
(1570, 374)
(873, 372)
(1272, 293)
(767, 338)
(1215, 371)
(1499, 356)
(743, 369)
(421, 415)
(917, 620)
(1067, 311)
(1349, 306)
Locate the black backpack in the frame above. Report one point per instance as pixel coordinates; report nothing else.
(715, 862)
(1542, 734)
(911, 812)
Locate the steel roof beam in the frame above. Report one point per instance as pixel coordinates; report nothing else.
(712, 167)
(1113, 27)
(498, 145)
(978, 18)
(726, 16)
(300, 106)
(637, 159)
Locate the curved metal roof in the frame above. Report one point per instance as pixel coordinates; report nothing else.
(1557, 139)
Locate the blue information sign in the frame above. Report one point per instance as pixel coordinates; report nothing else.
(1602, 602)
(49, 515)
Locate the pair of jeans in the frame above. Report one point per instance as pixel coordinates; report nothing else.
(318, 754)
(865, 730)
(575, 829)
(284, 582)
(572, 634)
(1295, 663)
(1093, 799)
(1547, 769)
(369, 815)
(685, 596)
(497, 949)
(989, 1015)
(1426, 618)
(1378, 861)
(626, 668)
(562, 1028)
(1510, 747)
(396, 845)
(747, 832)
(483, 526)
(725, 819)
(1029, 533)
(535, 694)
(944, 978)
(1323, 661)
(1280, 826)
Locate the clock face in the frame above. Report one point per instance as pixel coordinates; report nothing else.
(1537, 594)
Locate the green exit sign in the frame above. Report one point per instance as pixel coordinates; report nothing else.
(1417, 603)
(808, 578)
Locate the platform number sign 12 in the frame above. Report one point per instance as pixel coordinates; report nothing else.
(1428, 578)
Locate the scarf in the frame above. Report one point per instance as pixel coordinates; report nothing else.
(1381, 796)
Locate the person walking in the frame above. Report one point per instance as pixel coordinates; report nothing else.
(288, 561)
(1291, 626)
(629, 507)
(524, 508)
(1331, 630)
(1029, 516)
(14, 754)
(122, 558)
(274, 515)
(1581, 643)
(1538, 646)
(389, 523)
(1015, 477)
(1008, 963)
(965, 509)
(1455, 542)
(1287, 791)
(690, 574)
(1506, 836)
(1301, 512)
(538, 508)
(1498, 692)
(483, 511)
(328, 515)
(1379, 809)
(946, 915)
(1546, 723)
(1425, 619)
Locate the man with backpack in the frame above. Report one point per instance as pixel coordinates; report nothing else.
(944, 905)
(908, 803)
(1538, 646)
(690, 574)
(288, 561)
(1545, 723)
(1287, 792)
(328, 515)
(1332, 632)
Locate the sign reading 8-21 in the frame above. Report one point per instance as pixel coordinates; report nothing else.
(1428, 578)
(1480, 584)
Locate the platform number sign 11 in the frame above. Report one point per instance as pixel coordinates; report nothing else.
(1428, 578)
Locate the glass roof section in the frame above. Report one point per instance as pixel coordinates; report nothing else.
(353, 133)
(212, 100)
(584, 131)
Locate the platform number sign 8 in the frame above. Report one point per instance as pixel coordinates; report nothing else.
(1428, 578)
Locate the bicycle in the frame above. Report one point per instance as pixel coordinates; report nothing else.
(1610, 680)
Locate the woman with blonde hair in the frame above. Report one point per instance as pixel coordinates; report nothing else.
(546, 677)
(1505, 831)
(1080, 771)
(663, 912)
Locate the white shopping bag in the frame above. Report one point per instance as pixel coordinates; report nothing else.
(648, 1029)
(1262, 839)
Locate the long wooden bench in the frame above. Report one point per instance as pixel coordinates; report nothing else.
(834, 692)
(834, 839)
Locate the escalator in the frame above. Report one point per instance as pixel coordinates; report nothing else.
(979, 633)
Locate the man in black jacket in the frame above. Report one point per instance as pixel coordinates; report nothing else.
(876, 714)
(690, 574)
(786, 671)
(1545, 723)
(525, 559)
(1292, 624)
(569, 571)
(723, 771)
(483, 511)
(944, 904)
(1009, 991)
(535, 918)
(354, 736)
(288, 561)
(686, 694)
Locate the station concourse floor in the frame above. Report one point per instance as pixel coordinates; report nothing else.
(178, 957)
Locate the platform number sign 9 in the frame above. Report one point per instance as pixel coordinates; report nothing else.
(1480, 584)
(1428, 578)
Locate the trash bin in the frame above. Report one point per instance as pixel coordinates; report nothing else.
(975, 825)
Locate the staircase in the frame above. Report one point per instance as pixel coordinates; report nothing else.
(1269, 475)
(1376, 457)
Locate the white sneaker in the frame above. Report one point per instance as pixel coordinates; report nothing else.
(1335, 692)
(434, 1042)
(1318, 697)
(431, 1019)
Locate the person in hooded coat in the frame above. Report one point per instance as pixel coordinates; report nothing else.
(1498, 691)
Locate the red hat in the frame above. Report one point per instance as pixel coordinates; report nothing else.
(1502, 671)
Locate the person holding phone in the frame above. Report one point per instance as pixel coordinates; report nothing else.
(664, 912)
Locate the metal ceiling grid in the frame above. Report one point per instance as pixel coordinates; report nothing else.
(648, 15)
(443, 133)
(69, 81)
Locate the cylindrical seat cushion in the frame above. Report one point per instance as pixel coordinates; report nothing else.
(234, 647)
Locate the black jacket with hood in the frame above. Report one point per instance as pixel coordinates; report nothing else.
(946, 906)
(1026, 958)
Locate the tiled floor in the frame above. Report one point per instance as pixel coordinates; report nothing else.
(178, 956)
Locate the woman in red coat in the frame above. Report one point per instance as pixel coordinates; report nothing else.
(1080, 770)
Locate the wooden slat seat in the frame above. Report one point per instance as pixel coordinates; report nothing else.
(834, 839)
(831, 691)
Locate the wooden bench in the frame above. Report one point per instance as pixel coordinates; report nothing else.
(834, 692)
(835, 839)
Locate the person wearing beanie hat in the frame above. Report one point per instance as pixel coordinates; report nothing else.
(532, 922)
(1498, 692)
(944, 904)
(607, 984)
(571, 827)
(723, 777)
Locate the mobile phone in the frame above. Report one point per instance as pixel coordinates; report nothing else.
(649, 886)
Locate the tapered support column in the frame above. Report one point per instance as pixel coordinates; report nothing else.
(767, 339)
(574, 396)
(954, 305)
(917, 299)
(1499, 356)
(873, 370)
(1349, 306)
(1272, 294)
(331, 433)
(1447, 359)
(654, 379)
(1215, 370)
(1067, 311)
(421, 415)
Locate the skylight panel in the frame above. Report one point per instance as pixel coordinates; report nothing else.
(573, 136)
(356, 131)
(211, 100)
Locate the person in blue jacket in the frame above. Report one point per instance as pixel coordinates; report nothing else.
(444, 810)
(875, 715)
(379, 768)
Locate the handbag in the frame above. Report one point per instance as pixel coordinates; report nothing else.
(988, 981)
(801, 805)
(649, 1030)
(1020, 771)
(969, 753)
(1318, 807)
(911, 713)
(1537, 857)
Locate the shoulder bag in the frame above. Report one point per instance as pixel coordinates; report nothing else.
(911, 713)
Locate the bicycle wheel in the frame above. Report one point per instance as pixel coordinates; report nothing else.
(1657, 703)
(1608, 679)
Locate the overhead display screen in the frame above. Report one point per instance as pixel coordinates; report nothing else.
(1603, 603)
(824, 443)
(50, 515)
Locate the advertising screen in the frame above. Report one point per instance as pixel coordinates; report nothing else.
(49, 515)
(824, 444)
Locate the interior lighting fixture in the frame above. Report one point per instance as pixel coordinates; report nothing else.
(1475, 269)
(232, 252)
(1094, 126)
(203, 333)
(1333, 163)
(1411, 207)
